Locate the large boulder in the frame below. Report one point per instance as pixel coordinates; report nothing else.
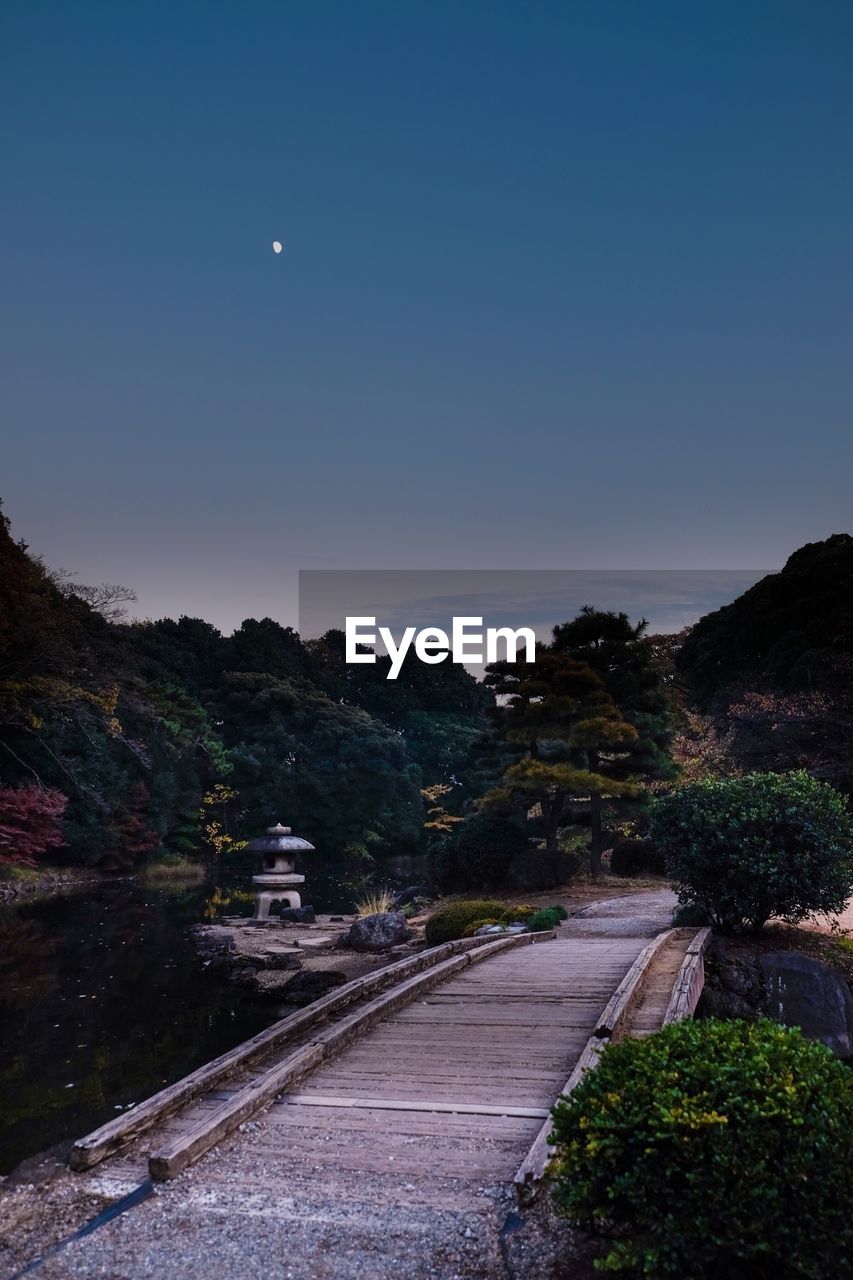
(378, 932)
(800, 991)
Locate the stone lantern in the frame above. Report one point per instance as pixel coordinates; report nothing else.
(277, 882)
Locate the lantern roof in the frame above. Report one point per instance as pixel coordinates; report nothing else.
(278, 840)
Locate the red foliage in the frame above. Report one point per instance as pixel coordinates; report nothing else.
(30, 822)
(131, 833)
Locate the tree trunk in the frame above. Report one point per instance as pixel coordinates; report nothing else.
(595, 836)
(595, 839)
(552, 812)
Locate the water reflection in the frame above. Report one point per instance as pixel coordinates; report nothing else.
(103, 1000)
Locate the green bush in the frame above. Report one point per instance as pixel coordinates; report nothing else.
(547, 918)
(517, 915)
(635, 857)
(477, 854)
(713, 1149)
(690, 916)
(478, 924)
(767, 844)
(451, 921)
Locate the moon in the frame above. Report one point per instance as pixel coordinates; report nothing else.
(276, 246)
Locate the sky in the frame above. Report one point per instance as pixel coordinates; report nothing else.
(564, 285)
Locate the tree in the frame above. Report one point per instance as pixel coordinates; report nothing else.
(746, 849)
(30, 822)
(773, 670)
(109, 599)
(622, 656)
(328, 769)
(559, 710)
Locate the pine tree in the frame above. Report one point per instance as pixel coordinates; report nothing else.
(621, 655)
(561, 715)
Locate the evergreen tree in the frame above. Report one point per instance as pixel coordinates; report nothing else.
(623, 658)
(569, 733)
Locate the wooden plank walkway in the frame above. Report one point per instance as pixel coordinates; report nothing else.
(399, 1149)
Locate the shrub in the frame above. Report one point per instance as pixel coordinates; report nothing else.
(478, 924)
(374, 902)
(547, 918)
(713, 1149)
(517, 915)
(478, 852)
(767, 844)
(690, 916)
(636, 858)
(451, 921)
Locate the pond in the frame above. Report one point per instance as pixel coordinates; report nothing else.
(103, 1001)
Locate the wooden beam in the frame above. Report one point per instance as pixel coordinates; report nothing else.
(207, 1131)
(628, 990)
(511, 1109)
(533, 1167)
(690, 981)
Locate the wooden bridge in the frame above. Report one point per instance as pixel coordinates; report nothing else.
(407, 1110)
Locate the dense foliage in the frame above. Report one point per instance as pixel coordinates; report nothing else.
(565, 726)
(636, 857)
(169, 735)
(30, 822)
(477, 852)
(773, 671)
(713, 1149)
(745, 849)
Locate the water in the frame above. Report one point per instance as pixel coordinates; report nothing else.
(103, 1001)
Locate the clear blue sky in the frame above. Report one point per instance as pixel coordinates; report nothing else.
(564, 284)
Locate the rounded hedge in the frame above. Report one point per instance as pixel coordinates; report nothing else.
(713, 1149)
(478, 852)
(547, 918)
(767, 844)
(636, 857)
(472, 928)
(450, 922)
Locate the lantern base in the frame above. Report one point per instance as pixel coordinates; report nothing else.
(267, 899)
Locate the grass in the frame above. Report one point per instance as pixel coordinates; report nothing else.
(13, 873)
(222, 901)
(172, 869)
(374, 902)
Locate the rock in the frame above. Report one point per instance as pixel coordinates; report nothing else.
(310, 984)
(489, 929)
(378, 932)
(733, 984)
(800, 991)
(298, 915)
(243, 976)
(279, 960)
(405, 896)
